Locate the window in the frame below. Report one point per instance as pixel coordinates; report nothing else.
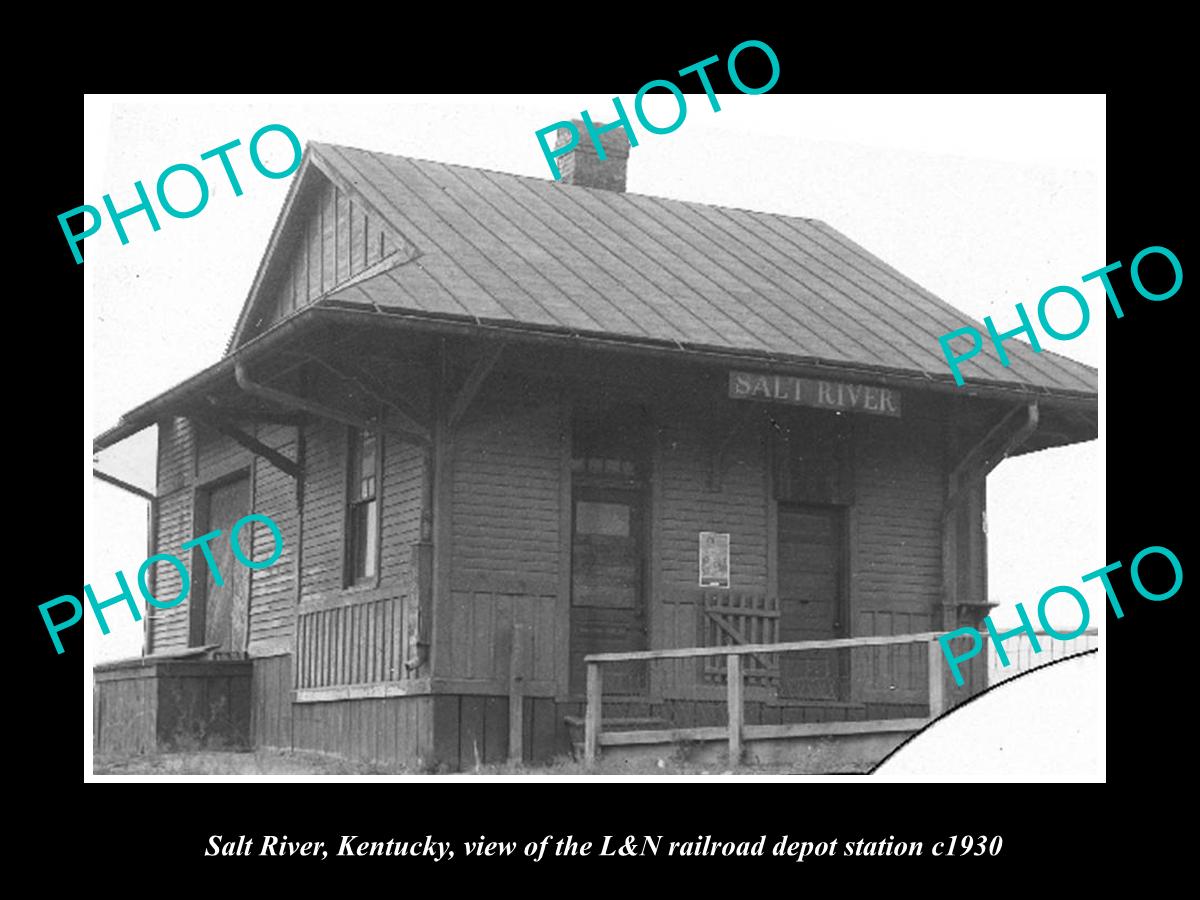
(611, 519)
(610, 445)
(362, 508)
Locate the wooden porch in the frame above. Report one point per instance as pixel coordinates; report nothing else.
(816, 746)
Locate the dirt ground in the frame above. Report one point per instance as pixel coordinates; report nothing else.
(273, 762)
(260, 762)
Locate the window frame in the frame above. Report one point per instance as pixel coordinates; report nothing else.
(351, 500)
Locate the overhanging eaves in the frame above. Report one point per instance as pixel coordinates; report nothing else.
(1067, 417)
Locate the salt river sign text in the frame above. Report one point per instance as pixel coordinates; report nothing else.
(813, 392)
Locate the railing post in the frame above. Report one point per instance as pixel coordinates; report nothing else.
(733, 678)
(591, 722)
(937, 680)
(516, 694)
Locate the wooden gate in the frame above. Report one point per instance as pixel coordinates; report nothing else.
(730, 618)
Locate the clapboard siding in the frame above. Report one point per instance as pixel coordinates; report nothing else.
(273, 589)
(335, 240)
(506, 510)
(506, 485)
(355, 637)
(688, 506)
(896, 575)
(175, 447)
(896, 565)
(403, 478)
(217, 455)
(169, 627)
(189, 456)
(900, 491)
(324, 509)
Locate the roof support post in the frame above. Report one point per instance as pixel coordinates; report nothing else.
(1006, 436)
(964, 484)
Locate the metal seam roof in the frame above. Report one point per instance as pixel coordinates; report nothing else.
(498, 215)
(509, 248)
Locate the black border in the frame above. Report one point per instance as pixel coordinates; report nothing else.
(1149, 414)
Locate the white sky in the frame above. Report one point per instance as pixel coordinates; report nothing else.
(985, 201)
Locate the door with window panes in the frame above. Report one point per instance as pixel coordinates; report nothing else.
(608, 546)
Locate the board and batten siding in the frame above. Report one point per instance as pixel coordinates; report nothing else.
(387, 731)
(506, 511)
(337, 240)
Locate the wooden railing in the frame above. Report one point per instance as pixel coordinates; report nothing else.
(353, 642)
(734, 682)
(1022, 657)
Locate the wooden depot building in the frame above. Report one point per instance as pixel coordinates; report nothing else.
(504, 423)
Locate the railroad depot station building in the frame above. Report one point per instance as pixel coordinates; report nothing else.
(503, 423)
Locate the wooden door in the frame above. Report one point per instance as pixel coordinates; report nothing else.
(608, 612)
(223, 608)
(810, 600)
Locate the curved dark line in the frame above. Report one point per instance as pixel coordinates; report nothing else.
(975, 697)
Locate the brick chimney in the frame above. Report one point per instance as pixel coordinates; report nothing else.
(583, 167)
